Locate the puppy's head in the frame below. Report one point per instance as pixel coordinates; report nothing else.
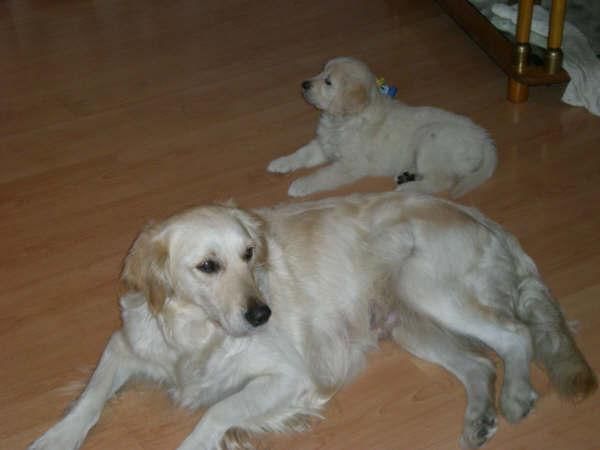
(207, 256)
(345, 86)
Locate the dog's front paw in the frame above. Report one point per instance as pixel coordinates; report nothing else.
(55, 440)
(281, 165)
(300, 188)
(237, 439)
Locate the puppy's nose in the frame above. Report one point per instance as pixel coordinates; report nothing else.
(258, 314)
(306, 85)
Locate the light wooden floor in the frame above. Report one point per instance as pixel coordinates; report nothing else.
(116, 112)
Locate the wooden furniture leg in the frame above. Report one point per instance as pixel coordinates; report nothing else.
(553, 59)
(511, 57)
(518, 91)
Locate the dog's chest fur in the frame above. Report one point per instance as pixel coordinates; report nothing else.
(340, 136)
(187, 351)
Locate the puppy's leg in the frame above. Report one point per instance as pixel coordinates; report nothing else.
(324, 179)
(458, 355)
(116, 366)
(264, 403)
(308, 156)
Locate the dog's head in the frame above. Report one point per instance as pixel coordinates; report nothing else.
(207, 256)
(345, 86)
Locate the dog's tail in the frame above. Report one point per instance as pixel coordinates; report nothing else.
(483, 172)
(553, 344)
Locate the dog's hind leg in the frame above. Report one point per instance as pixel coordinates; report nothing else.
(512, 341)
(406, 177)
(427, 340)
(424, 183)
(455, 309)
(116, 366)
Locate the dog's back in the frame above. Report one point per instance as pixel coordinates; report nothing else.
(370, 238)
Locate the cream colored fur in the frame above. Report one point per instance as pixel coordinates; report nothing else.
(261, 316)
(364, 133)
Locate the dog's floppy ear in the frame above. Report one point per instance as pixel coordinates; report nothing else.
(144, 268)
(352, 99)
(256, 228)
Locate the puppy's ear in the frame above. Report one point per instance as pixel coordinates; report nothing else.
(256, 228)
(352, 100)
(144, 268)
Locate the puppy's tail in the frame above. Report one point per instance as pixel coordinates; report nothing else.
(553, 343)
(483, 172)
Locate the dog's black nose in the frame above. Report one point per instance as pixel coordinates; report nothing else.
(258, 314)
(306, 85)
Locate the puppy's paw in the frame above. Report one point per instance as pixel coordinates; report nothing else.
(405, 177)
(516, 404)
(479, 430)
(281, 165)
(300, 188)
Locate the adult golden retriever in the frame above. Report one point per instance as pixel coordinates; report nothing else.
(263, 315)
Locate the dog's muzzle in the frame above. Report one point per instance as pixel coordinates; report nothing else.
(306, 85)
(257, 314)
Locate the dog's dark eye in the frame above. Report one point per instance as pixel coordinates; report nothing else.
(208, 266)
(248, 254)
(328, 81)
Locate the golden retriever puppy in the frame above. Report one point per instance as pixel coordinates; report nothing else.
(363, 132)
(261, 316)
